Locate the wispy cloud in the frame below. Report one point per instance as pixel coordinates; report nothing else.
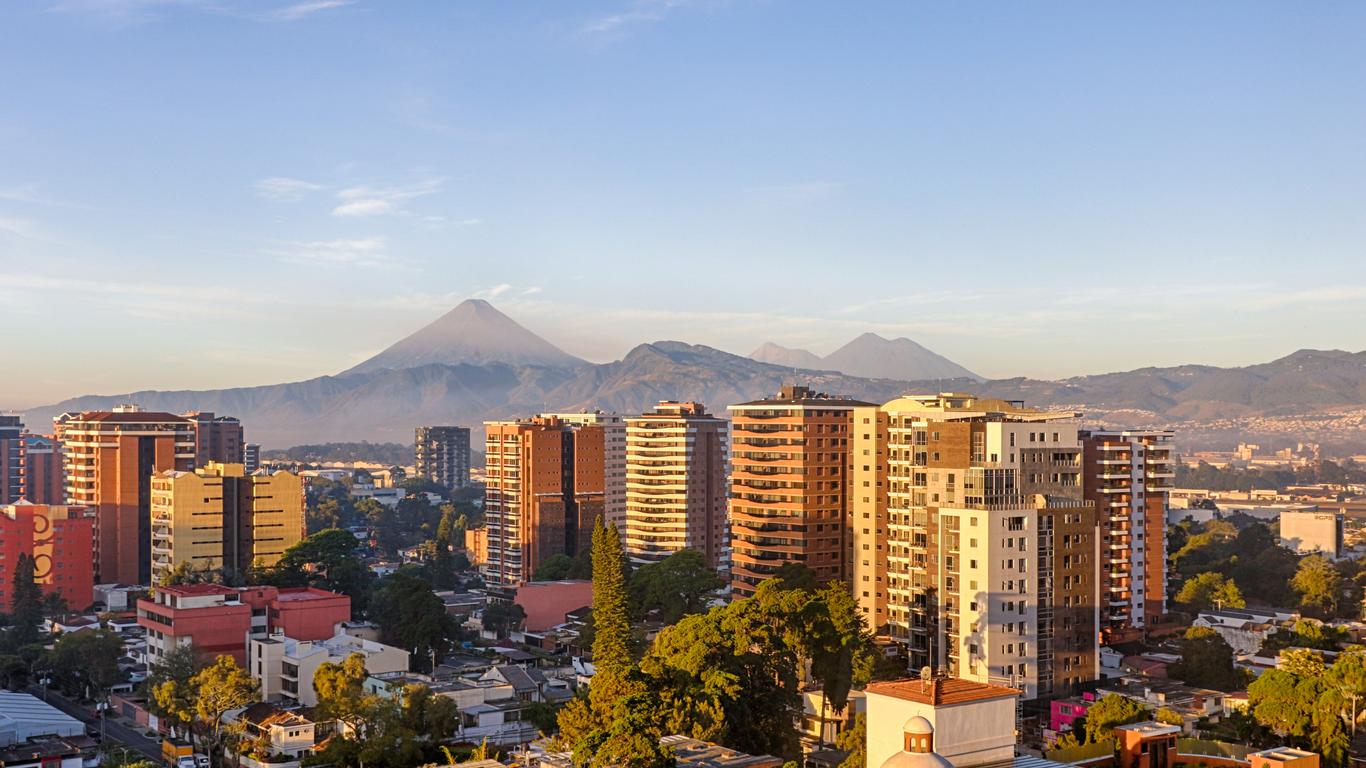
(301, 10)
(532, 291)
(126, 12)
(638, 12)
(344, 252)
(21, 228)
(285, 189)
(378, 201)
(494, 291)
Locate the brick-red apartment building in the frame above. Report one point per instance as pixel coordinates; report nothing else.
(218, 620)
(61, 541)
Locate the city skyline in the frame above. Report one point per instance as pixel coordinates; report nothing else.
(335, 174)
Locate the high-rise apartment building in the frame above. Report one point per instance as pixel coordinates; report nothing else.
(110, 457)
(973, 544)
(789, 458)
(216, 438)
(544, 487)
(1128, 477)
(218, 516)
(61, 541)
(11, 466)
(40, 462)
(443, 455)
(675, 482)
(614, 459)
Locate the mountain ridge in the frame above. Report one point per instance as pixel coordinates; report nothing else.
(869, 355)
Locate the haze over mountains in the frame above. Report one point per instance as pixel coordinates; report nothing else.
(475, 363)
(870, 356)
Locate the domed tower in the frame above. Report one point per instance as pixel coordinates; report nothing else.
(919, 747)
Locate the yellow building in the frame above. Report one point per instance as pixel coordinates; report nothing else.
(218, 516)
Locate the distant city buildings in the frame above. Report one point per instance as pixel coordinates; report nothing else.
(676, 486)
(220, 517)
(1312, 531)
(60, 540)
(251, 457)
(110, 457)
(545, 485)
(789, 491)
(11, 451)
(1128, 476)
(973, 545)
(40, 461)
(442, 455)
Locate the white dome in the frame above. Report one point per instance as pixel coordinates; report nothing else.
(918, 725)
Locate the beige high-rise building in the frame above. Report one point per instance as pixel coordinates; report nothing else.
(789, 459)
(675, 482)
(218, 516)
(973, 545)
(614, 459)
(543, 488)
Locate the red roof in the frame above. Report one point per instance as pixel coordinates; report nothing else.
(137, 417)
(940, 691)
(299, 594)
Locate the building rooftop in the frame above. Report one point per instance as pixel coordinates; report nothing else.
(805, 396)
(1150, 728)
(944, 692)
(1283, 753)
(23, 717)
(957, 405)
(197, 590)
(128, 417)
(303, 594)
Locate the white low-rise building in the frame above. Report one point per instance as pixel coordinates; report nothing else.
(285, 666)
(974, 722)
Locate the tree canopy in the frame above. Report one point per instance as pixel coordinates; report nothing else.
(1207, 662)
(1208, 590)
(1111, 710)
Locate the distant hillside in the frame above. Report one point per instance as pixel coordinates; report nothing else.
(791, 358)
(1309, 395)
(872, 357)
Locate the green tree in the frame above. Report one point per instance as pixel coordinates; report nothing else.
(616, 724)
(411, 616)
(794, 575)
(86, 663)
(1207, 661)
(501, 617)
(1210, 589)
(555, 567)
(218, 689)
(854, 740)
(1318, 584)
(26, 604)
(170, 690)
(1111, 710)
(443, 566)
(1168, 716)
(341, 691)
(674, 587)
(1302, 662)
(838, 645)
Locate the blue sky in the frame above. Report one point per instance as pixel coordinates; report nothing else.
(204, 194)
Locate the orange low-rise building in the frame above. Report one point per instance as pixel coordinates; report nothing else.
(547, 602)
(218, 620)
(60, 540)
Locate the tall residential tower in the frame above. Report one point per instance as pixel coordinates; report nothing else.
(675, 482)
(973, 545)
(442, 455)
(1128, 476)
(544, 487)
(110, 457)
(789, 491)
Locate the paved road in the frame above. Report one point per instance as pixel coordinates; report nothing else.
(114, 729)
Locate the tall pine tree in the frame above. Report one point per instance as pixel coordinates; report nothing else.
(26, 606)
(615, 725)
